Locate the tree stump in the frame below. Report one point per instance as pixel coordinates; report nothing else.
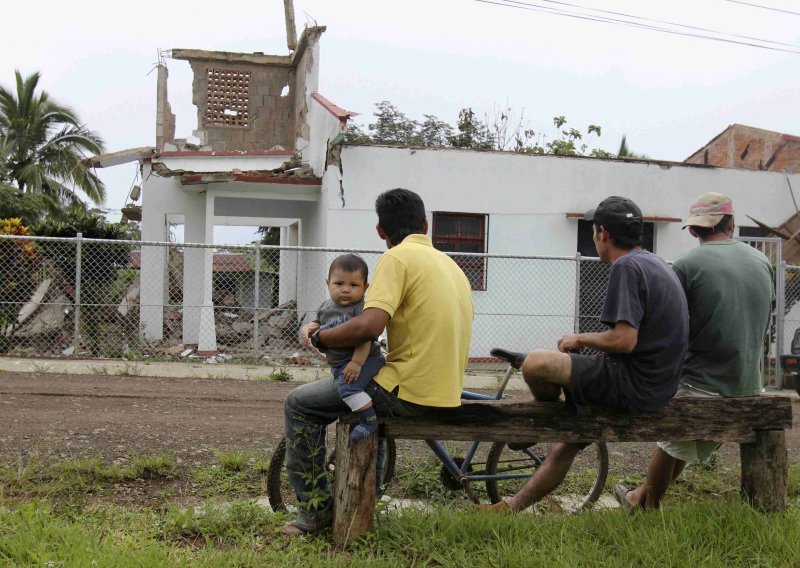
(354, 487)
(765, 470)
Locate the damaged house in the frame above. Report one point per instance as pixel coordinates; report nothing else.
(269, 151)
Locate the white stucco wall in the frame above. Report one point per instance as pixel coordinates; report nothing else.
(526, 199)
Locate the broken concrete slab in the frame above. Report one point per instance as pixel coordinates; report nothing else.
(36, 300)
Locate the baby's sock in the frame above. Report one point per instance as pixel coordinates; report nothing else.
(367, 425)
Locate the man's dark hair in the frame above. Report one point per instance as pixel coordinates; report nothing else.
(349, 263)
(705, 232)
(401, 212)
(624, 236)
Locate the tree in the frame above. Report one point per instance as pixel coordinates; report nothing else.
(392, 126)
(472, 132)
(503, 132)
(42, 145)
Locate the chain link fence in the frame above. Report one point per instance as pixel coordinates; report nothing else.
(163, 301)
(166, 301)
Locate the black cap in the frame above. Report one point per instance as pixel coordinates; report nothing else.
(616, 212)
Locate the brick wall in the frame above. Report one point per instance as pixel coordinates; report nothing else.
(270, 116)
(751, 148)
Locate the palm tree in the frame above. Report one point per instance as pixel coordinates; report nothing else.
(42, 145)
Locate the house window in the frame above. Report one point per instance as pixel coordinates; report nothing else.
(463, 232)
(227, 97)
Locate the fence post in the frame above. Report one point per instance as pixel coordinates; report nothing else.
(256, 298)
(780, 314)
(577, 292)
(77, 333)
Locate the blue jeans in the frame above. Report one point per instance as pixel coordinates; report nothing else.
(309, 409)
(369, 369)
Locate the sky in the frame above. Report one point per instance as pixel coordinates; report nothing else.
(668, 94)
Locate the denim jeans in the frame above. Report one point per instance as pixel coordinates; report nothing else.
(369, 369)
(309, 409)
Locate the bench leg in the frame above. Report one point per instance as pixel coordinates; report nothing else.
(765, 470)
(354, 489)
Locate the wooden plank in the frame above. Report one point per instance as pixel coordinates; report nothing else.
(765, 471)
(722, 419)
(354, 491)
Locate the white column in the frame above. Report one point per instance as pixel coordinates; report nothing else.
(207, 339)
(194, 272)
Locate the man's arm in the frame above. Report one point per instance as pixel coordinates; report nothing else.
(621, 338)
(355, 331)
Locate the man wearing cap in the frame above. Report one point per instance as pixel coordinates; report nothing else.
(642, 351)
(729, 288)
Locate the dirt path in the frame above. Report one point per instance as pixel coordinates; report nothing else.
(112, 417)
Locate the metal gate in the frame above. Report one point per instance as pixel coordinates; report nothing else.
(772, 249)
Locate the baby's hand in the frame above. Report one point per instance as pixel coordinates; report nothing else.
(351, 372)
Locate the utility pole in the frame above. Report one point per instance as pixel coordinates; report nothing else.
(291, 34)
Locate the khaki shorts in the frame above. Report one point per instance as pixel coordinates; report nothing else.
(691, 450)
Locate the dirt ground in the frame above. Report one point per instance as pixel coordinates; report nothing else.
(67, 416)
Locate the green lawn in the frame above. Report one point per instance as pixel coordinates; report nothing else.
(66, 514)
(704, 533)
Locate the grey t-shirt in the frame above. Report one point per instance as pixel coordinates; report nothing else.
(644, 292)
(729, 288)
(330, 314)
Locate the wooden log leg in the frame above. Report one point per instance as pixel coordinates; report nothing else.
(354, 488)
(765, 470)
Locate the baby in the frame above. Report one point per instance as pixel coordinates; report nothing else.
(352, 369)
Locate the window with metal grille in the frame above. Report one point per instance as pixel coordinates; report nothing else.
(227, 97)
(463, 232)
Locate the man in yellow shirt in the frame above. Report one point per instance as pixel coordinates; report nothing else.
(424, 301)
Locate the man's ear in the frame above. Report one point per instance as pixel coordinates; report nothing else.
(731, 226)
(693, 232)
(381, 232)
(425, 226)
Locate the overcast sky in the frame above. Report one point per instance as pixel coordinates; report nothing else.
(669, 94)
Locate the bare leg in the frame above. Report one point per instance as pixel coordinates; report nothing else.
(546, 372)
(547, 477)
(662, 471)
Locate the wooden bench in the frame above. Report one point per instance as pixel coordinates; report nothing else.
(758, 424)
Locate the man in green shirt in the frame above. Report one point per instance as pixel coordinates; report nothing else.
(730, 293)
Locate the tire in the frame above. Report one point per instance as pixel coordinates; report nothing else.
(279, 491)
(582, 486)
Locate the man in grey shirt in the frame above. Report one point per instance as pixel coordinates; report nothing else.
(730, 293)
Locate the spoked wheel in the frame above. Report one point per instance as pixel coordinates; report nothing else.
(279, 490)
(582, 486)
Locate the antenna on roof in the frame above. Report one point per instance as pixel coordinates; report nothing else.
(291, 33)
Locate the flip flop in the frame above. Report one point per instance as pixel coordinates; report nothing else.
(621, 491)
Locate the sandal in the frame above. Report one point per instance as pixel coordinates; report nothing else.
(621, 491)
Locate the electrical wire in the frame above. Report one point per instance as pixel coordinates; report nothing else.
(603, 19)
(653, 20)
(764, 7)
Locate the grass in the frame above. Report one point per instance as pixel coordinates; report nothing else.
(280, 374)
(32, 478)
(232, 460)
(706, 533)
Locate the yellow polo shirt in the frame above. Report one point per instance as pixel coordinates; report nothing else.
(429, 301)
